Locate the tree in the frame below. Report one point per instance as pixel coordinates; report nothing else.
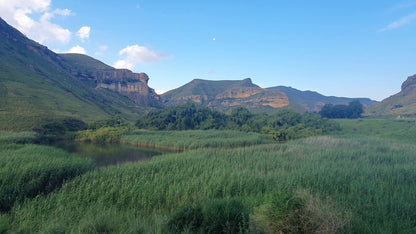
(351, 111)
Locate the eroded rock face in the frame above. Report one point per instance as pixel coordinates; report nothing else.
(227, 94)
(132, 85)
(409, 86)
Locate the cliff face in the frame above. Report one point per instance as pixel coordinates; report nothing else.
(225, 95)
(130, 84)
(409, 86)
(134, 86)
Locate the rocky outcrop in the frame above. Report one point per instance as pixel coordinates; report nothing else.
(226, 94)
(132, 85)
(409, 86)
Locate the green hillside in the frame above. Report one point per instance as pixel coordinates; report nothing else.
(37, 84)
(400, 105)
(313, 101)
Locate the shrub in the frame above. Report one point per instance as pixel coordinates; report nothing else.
(186, 218)
(217, 216)
(105, 134)
(299, 212)
(225, 216)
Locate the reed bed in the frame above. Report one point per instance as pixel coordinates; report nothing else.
(372, 179)
(195, 139)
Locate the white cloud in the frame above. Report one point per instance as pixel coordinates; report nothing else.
(84, 32)
(18, 13)
(399, 23)
(103, 48)
(77, 50)
(124, 64)
(139, 54)
(160, 91)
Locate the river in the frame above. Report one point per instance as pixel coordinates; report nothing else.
(106, 154)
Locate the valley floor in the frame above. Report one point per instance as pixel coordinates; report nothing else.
(362, 181)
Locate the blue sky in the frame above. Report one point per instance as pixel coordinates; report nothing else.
(340, 48)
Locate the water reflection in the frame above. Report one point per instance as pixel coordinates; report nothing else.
(109, 154)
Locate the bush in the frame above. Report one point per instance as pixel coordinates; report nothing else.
(299, 212)
(105, 134)
(217, 216)
(187, 218)
(225, 216)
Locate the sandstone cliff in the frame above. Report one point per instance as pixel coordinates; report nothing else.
(130, 84)
(226, 94)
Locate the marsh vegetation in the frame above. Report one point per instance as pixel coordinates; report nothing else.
(234, 181)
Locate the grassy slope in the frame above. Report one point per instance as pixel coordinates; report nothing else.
(314, 101)
(35, 85)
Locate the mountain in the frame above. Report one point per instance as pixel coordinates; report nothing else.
(38, 84)
(313, 101)
(226, 94)
(402, 104)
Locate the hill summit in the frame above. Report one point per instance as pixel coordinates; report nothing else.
(226, 94)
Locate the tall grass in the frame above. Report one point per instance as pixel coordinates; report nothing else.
(403, 130)
(16, 137)
(373, 179)
(27, 171)
(195, 139)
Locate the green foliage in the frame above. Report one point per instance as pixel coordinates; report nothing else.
(282, 126)
(289, 125)
(194, 139)
(403, 130)
(29, 170)
(351, 111)
(105, 134)
(188, 218)
(225, 216)
(372, 179)
(51, 130)
(116, 121)
(185, 117)
(16, 137)
(4, 223)
(298, 212)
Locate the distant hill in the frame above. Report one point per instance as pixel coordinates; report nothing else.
(402, 104)
(37, 84)
(226, 94)
(313, 101)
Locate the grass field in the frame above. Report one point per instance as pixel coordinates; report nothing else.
(365, 174)
(195, 139)
(27, 171)
(403, 130)
(371, 179)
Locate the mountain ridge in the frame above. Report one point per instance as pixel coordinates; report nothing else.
(36, 85)
(226, 94)
(314, 101)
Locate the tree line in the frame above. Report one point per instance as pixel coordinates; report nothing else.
(282, 126)
(353, 110)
